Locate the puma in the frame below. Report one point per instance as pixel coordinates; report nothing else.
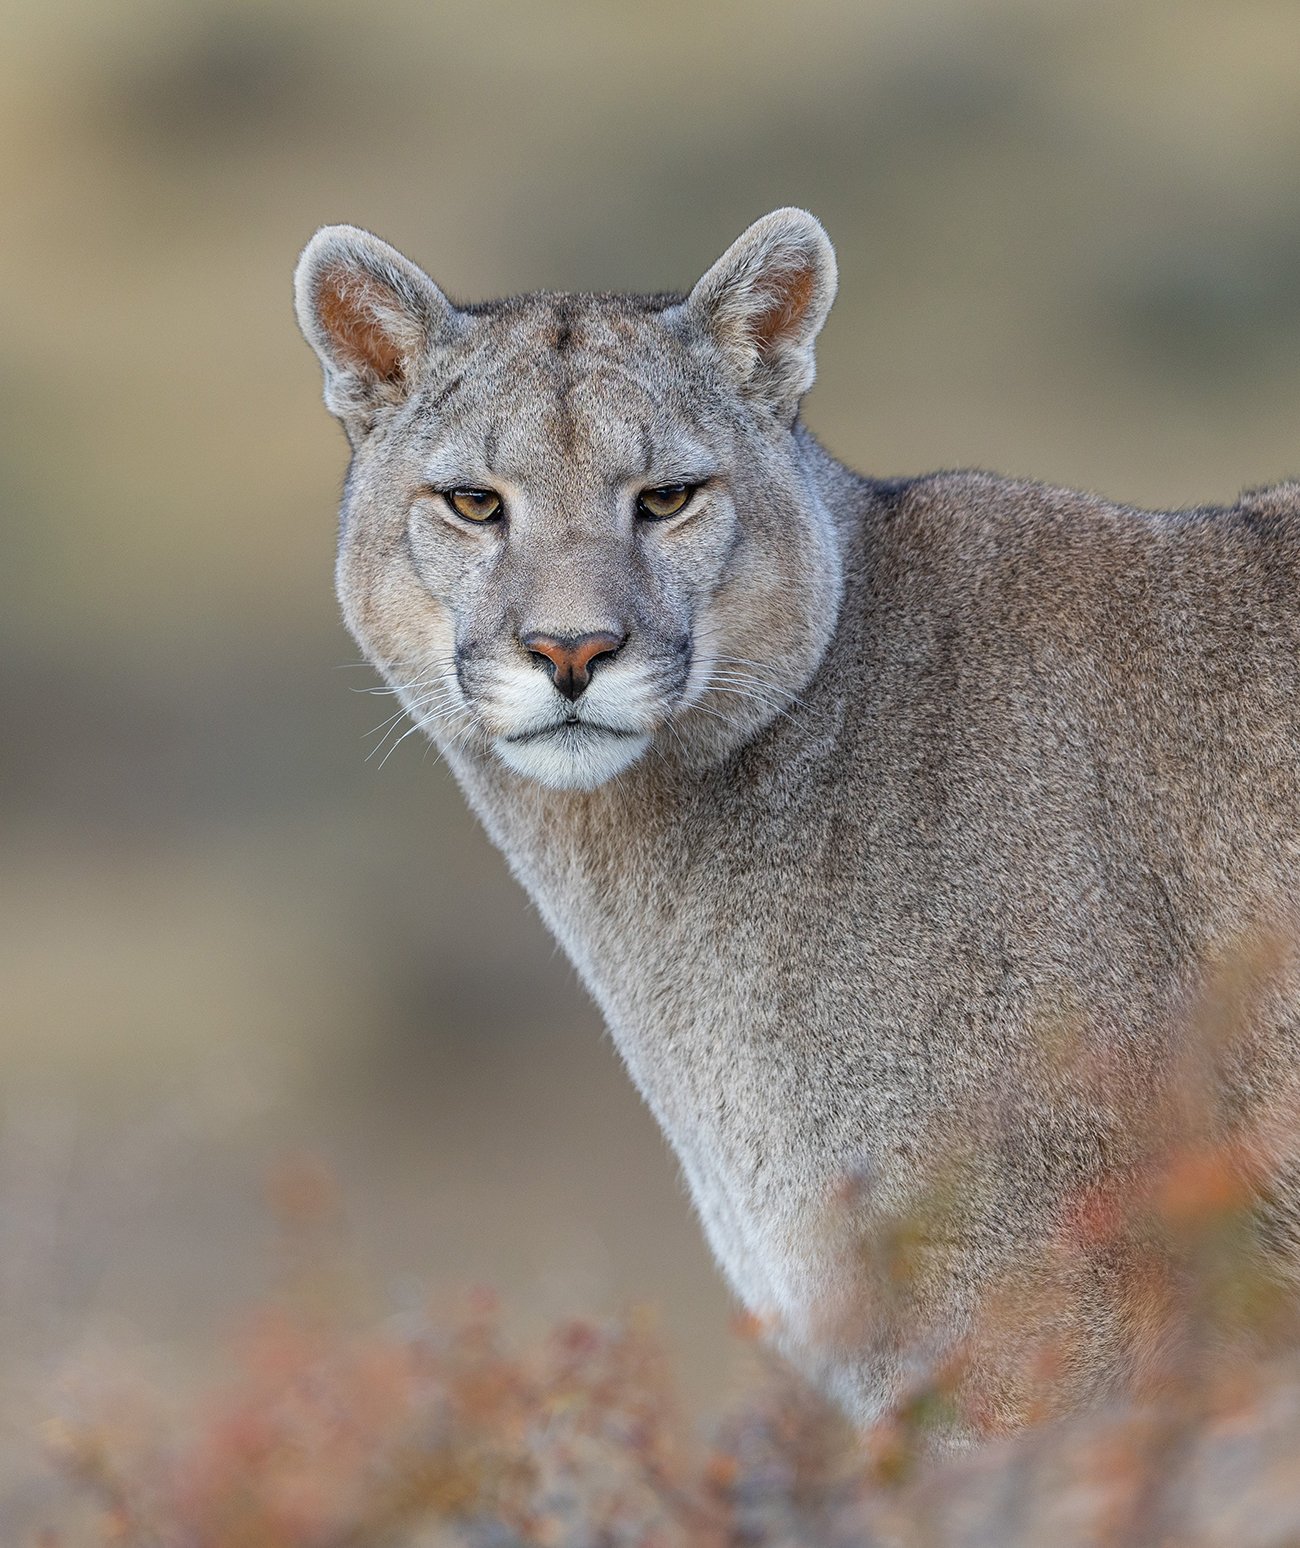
(842, 794)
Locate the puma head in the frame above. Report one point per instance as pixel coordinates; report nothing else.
(577, 528)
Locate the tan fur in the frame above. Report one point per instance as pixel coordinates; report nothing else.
(890, 784)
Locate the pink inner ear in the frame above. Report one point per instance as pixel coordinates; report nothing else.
(350, 306)
(792, 296)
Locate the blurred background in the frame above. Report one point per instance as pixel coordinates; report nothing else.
(1069, 244)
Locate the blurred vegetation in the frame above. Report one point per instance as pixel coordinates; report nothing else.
(1069, 237)
(332, 1431)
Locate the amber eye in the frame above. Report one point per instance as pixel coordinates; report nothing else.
(474, 504)
(664, 501)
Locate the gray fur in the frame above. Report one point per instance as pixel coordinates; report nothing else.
(893, 778)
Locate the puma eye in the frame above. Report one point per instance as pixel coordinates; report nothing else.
(474, 504)
(664, 501)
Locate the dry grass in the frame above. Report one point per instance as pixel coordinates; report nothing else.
(326, 1438)
(335, 1433)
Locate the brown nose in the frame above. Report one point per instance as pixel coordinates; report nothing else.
(570, 658)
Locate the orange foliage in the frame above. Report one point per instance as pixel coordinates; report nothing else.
(333, 1434)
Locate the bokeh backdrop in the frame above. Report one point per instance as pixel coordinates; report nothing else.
(1069, 242)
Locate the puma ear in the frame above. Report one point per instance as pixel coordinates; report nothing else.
(763, 303)
(371, 316)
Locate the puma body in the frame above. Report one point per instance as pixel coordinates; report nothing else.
(863, 791)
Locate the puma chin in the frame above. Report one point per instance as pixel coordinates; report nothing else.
(571, 754)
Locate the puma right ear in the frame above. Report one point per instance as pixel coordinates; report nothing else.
(371, 316)
(764, 302)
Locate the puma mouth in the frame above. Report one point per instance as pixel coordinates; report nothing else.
(572, 754)
(569, 728)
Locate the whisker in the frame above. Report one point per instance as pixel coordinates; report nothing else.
(438, 693)
(422, 724)
(776, 714)
(747, 661)
(716, 714)
(749, 677)
(677, 737)
(423, 712)
(410, 731)
(365, 735)
(442, 691)
(436, 702)
(744, 690)
(767, 691)
(439, 674)
(730, 674)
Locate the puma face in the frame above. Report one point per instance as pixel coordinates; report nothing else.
(575, 528)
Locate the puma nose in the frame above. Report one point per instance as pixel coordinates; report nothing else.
(570, 658)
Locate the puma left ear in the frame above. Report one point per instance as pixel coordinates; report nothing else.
(764, 302)
(371, 316)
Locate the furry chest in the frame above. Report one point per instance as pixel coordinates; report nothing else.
(741, 1110)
